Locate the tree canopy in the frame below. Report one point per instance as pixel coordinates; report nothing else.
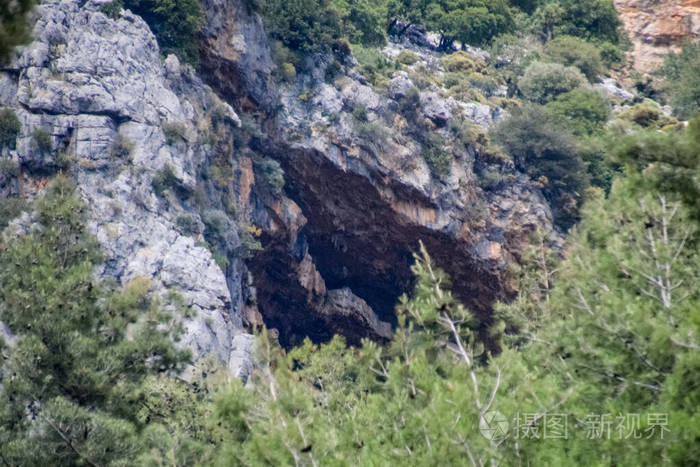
(74, 375)
(14, 25)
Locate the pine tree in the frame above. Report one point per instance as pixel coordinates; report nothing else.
(73, 379)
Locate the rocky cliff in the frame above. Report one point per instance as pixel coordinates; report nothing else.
(656, 27)
(184, 179)
(119, 118)
(359, 194)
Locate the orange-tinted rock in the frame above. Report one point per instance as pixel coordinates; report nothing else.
(657, 27)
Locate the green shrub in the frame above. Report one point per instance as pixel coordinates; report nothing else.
(573, 51)
(174, 132)
(438, 159)
(175, 23)
(543, 82)
(371, 133)
(303, 25)
(65, 159)
(363, 21)
(164, 180)
(462, 88)
(317, 25)
(490, 179)
(647, 114)
(289, 72)
(406, 57)
(359, 112)
(590, 19)
(474, 22)
(121, 147)
(541, 147)
(333, 70)
(42, 139)
(466, 132)
(371, 63)
(249, 244)
(221, 175)
(594, 20)
(611, 54)
(485, 83)
(15, 26)
(221, 259)
(10, 127)
(10, 208)
(599, 165)
(423, 78)
(112, 9)
(216, 224)
(585, 110)
(187, 224)
(462, 62)
(681, 81)
(271, 174)
(282, 54)
(8, 168)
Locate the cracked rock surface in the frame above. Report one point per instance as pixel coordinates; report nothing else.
(95, 84)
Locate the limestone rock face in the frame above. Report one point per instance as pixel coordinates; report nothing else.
(236, 54)
(359, 196)
(612, 88)
(657, 27)
(169, 176)
(116, 117)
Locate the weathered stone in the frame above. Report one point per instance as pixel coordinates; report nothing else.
(400, 85)
(657, 28)
(435, 108)
(613, 88)
(98, 88)
(481, 114)
(236, 57)
(358, 198)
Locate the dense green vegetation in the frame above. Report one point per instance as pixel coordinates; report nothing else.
(598, 361)
(681, 80)
(175, 23)
(547, 152)
(597, 342)
(9, 128)
(76, 377)
(315, 25)
(14, 25)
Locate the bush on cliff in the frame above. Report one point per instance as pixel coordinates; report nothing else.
(573, 51)
(175, 23)
(681, 80)
(544, 149)
(311, 26)
(14, 26)
(74, 378)
(543, 82)
(585, 111)
(10, 127)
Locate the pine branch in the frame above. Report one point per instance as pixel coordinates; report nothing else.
(65, 438)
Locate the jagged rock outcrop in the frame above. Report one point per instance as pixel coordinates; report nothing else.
(174, 185)
(236, 56)
(361, 196)
(117, 118)
(657, 27)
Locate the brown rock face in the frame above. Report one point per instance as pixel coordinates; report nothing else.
(657, 27)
